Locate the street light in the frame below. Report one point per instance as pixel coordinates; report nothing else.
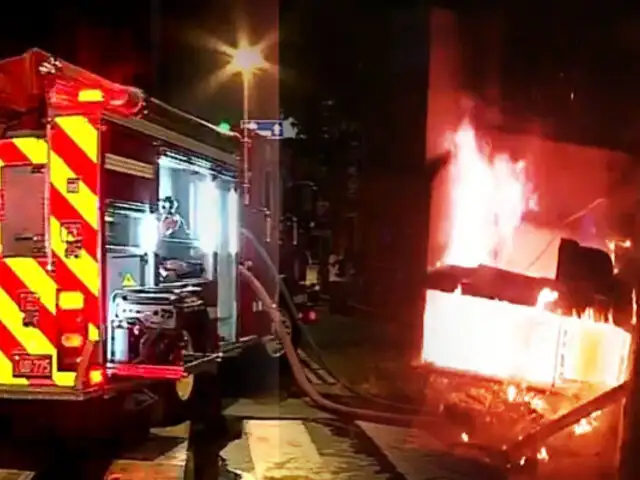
(246, 60)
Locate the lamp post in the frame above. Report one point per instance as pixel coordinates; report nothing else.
(246, 60)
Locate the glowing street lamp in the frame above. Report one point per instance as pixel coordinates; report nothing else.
(246, 60)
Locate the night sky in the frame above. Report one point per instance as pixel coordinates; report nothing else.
(153, 44)
(549, 53)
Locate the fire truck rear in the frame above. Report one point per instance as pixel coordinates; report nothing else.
(118, 235)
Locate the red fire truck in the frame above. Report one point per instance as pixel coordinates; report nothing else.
(119, 227)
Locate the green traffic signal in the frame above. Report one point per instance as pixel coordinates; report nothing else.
(224, 126)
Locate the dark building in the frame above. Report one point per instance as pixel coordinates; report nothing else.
(392, 214)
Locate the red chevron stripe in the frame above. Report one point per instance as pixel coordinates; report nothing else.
(69, 281)
(11, 154)
(9, 344)
(13, 285)
(75, 158)
(63, 211)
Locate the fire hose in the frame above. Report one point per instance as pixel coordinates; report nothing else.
(481, 456)
(301, 379)
(316, 350)
(416, 419)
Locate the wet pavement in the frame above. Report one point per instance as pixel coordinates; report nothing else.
(269, 437)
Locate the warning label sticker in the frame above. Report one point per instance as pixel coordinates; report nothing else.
(128, 281)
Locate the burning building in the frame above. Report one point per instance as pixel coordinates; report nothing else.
(520, 287)
(501, 310)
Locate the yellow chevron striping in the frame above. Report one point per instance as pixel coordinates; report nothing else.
(94, 333)
(3, 207)
(84, 201)
(35, 149)
(31, 338)
(84, 267)
(6, 373)
(36, 280)
(83, 133)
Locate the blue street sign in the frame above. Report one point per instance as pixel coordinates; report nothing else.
(273, 129)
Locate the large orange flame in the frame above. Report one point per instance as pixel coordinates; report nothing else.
(488, 201)
(488, 198)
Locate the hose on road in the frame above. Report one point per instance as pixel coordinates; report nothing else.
(316, 352)
(418, 421)
(494, 461)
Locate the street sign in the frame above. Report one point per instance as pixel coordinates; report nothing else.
(273, 129)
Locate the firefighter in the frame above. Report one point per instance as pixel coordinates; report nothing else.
(337, 283)
(175, 244)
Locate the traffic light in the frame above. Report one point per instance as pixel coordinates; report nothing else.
(224, 126)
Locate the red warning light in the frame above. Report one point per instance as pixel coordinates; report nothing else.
(68, 96)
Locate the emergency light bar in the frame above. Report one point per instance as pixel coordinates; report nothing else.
(67, 95)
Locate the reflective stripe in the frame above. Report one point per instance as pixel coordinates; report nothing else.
(71, 300)
(36, 279)
(32, 339)
(74, 158)
(27, 286)
(83, 133)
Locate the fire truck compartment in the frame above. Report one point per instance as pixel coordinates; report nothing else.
(125, 270)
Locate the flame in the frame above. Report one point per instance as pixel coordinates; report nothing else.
(587, 424)
(543, 455)
(546, 297)
(489, 199)
(613, 247)
(512, 393)
(496, 339)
